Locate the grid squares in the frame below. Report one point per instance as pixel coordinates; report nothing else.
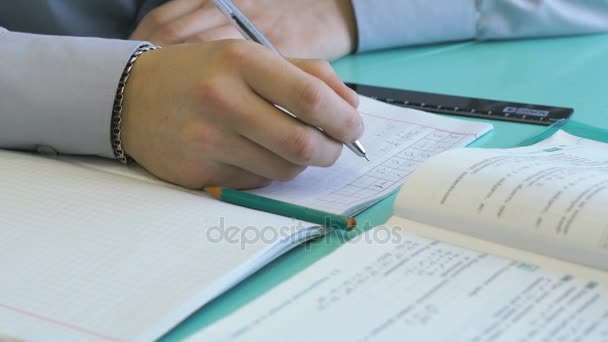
(397, 168)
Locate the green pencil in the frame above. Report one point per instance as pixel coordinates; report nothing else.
(281, 208)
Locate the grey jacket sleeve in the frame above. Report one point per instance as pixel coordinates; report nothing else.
(58, 92)
(393, 23)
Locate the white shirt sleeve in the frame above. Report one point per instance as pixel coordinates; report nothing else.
(57, 93)
(393, 23)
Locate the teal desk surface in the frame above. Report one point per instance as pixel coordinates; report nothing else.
(568, 72)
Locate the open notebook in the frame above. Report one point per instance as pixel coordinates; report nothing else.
(91, 250)
(485, 245)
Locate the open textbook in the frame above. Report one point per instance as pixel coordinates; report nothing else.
(94, 251)
(485, 245)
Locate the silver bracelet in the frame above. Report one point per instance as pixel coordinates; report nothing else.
(115, 132)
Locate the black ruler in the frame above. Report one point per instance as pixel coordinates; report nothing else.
(466, 106)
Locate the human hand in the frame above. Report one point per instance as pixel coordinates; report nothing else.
(323, 29)
(203, 114)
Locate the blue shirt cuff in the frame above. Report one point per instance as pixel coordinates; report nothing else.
(58, 92)
(389, 23)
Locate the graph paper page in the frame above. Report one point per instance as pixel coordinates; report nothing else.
(397, 140)
(89, 255)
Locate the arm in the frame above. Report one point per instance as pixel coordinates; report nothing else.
(305, 29)
(388, 23)
(58, 92)
(180, 119)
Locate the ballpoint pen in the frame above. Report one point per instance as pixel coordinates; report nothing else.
(249, 31)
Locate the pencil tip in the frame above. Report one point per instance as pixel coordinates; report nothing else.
(366, 157)
(215, 191)
(351, 223)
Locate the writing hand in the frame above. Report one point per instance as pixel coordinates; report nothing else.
(203, 114)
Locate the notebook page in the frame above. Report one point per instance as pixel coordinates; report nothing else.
(549, 198)
(87, 255)
(408, 287)
(397, 140)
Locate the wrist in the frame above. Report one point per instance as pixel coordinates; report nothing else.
(340, 28)
(347, 12)
(118, 131)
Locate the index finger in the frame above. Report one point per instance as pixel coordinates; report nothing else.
(305, 96)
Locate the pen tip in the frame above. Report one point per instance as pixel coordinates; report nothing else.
(366, 158)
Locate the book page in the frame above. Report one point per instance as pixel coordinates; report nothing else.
(397, 140)
(392, 285)
(549, 198)
(88, 255)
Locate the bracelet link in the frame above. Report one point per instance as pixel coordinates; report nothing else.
(116, 121)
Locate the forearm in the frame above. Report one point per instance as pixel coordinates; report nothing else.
(388, 23)
(59, 91)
